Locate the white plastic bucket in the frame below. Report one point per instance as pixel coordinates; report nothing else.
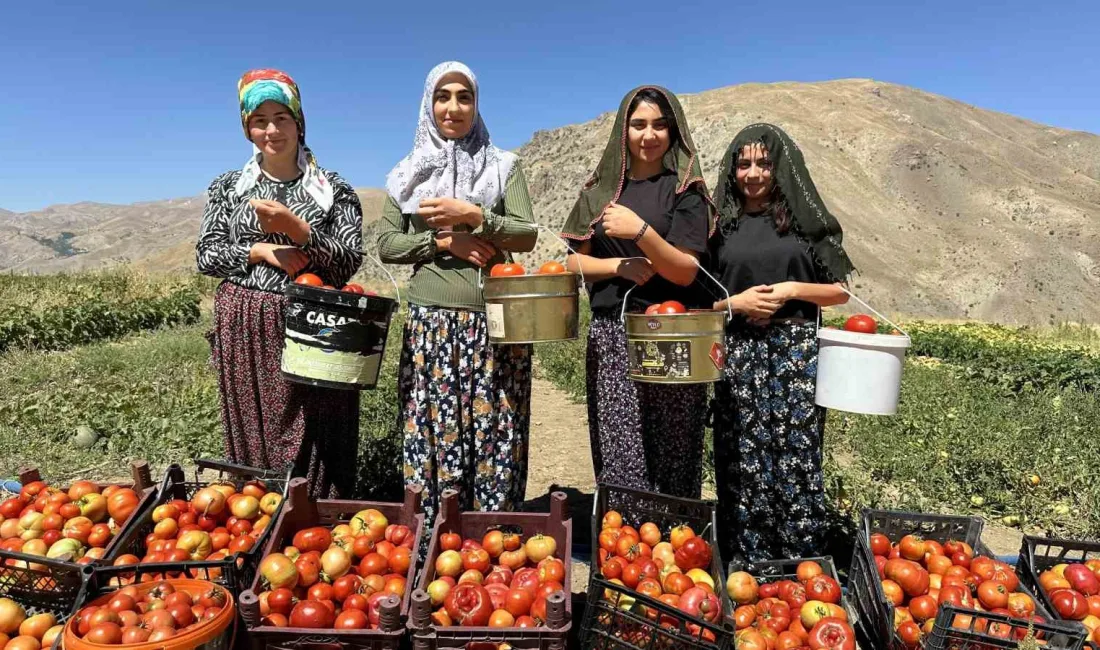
(860, 373)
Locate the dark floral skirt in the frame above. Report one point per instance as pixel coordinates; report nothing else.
(465, 410)
(767, 444)
(644, 436)
(268, 421)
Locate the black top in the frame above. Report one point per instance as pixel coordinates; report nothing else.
(230, 227)
(681, 220)
(755, 253)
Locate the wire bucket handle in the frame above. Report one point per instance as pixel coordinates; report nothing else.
(389, 275)
(869, 308)
(729, 308)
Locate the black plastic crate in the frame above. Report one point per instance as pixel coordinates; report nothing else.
(176, 486)
(619, 617)
(967, 629)
(1037, 554)
(42, 585)
(875, 614)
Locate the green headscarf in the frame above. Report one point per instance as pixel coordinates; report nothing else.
(811, 219)
(606, 183)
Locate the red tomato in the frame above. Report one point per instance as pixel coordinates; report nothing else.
(652, 309)
(352, 287)
(506, 270)
(1069, 604)
(824, 588)
(450, 541)
(312, 614)
(552, 267)
(671, 307)
(880, 544)
(518, 602)
(352, 619)
(469, 605)
(312, 539)
(833, 634)
(310, 279)
(695, 552)
(861, 323)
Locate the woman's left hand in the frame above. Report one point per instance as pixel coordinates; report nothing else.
(621, 222)
(275, 217)
(448, 213)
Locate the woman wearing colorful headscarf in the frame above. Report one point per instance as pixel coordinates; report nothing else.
(639, 225)
(279, 216)
(457, 205)
(778, 252)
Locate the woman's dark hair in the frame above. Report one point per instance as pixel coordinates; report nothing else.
(778, 204)
(658, 99)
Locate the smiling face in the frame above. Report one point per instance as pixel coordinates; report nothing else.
(754, 176)
(453, 106)
(272, 128)
(647, 135)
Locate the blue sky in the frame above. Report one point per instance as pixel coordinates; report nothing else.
(128, 101)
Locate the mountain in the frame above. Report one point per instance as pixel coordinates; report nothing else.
(949, 210)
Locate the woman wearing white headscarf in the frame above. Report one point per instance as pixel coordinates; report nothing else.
(458, 205)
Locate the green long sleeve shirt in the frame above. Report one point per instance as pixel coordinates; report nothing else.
(440, 279)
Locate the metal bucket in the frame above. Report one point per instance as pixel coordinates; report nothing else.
(676, 348)
(532, 308)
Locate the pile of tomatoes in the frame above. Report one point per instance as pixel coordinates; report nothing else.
(918, 576)
(148, 615)
(501, 581)
(336, 578)
(73, 525)
(20, 632)
(790, 614)
(314, 280)
(1074, 592)
(218, 521)
(512, 269)
(674, 571)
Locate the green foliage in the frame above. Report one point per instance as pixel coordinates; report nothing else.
(59, 312)
(154, 396)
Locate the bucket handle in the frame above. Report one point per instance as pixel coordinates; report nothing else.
(869, 307)
(565, 244)
(388, 275)
(729, 308)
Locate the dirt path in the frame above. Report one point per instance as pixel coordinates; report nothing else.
(560, 458)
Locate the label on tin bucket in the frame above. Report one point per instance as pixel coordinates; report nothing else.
(494, 314)
(329, 365)
(670, 359)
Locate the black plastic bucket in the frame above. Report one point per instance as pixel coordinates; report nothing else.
(335, 339)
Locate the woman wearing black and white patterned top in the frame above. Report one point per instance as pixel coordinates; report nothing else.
(280, 215)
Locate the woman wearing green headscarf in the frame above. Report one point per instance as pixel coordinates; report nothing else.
(639, 226)
(778, 252)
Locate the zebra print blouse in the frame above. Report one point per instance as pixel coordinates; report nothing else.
(230, 227)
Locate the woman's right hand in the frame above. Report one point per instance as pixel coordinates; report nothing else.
(756, 303)
(466, 246)
(635, 269)
(288, 258)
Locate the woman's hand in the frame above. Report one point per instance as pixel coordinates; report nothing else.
(448, 213)
(288, 258)
(636, 269)
(463, 245)
(756, 303)
(275, 217)
(621, 222)
(785, 291)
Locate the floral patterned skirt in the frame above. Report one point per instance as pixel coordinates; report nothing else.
(465, 410)
(268, 421)
(644, 436)
(767, 444)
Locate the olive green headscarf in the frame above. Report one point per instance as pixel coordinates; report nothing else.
(606, 183)
(811, 219)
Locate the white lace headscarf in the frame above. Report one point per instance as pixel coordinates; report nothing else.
(471, 168)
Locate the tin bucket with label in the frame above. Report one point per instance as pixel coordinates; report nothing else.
(532, 308)
(685, 348)
(860, 373)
